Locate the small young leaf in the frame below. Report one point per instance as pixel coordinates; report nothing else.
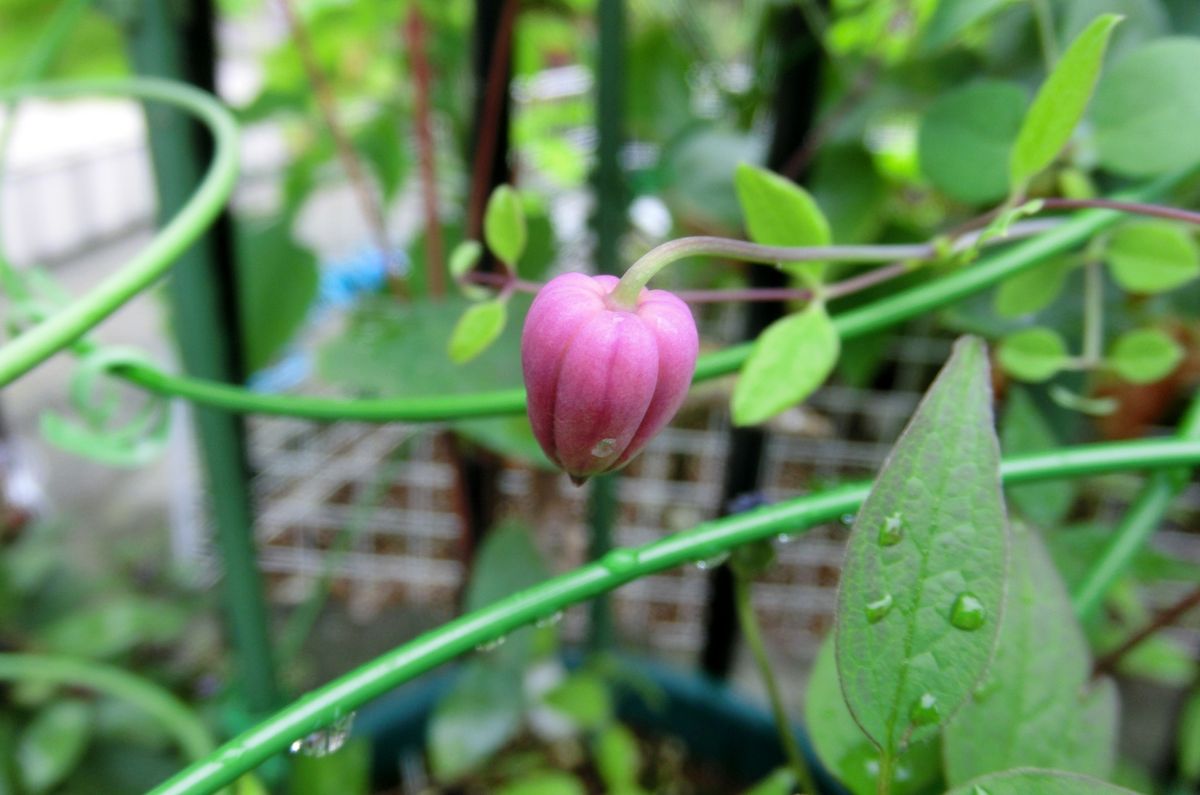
(965, 139)
(504, 225)
(463, 260)
(789, 361)
(618, 759)
(1084, 404)
(1189, 740)
(544, 782)
(478, 328)
(845, 750)
(1033, 354)
(779, 212)
(779, 782)
(1033, 289)
(1060, 102)
(1023, 430)
(52, 744)
(584, 698)
(1144, 356)
(920, 598)
(1029, 781)
(1147, 109)
(1038, 706)
(1152, 257)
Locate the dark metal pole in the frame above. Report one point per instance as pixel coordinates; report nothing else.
(175, 41)
(795, 102)
(609, 220)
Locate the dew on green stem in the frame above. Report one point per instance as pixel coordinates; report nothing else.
(879, 608)
(968, 612)
(783, 539)
(325, 741)
(490, 645)
(848, 519)
(604, 448)
(925, 710)
(891, 532)
(549, 621)
(704, 564)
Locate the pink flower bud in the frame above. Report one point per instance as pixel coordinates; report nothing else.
(601, 379)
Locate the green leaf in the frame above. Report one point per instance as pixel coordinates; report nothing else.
(1038, 782)
(618, 758)
(1033, 289)
(584, 698)
(779, 212)
(845, 750)
(52, 744)
(463, 259)
(504, 225)
(277, 282)
(546, 782)
(779, 782)
(494, 577)
(965, 139)
(1038, 706)
(789, 361)
(1023, 430)
(347, 771)
(1060, 103)
(475, 720)
(477, 329)
(699, 168)
(1152, 257)
(1147, 109)
(923, 581)
(1189, 740)
(1144, 356)
(1033, 354)
(846, 186)
(115, 627)
(951, 19)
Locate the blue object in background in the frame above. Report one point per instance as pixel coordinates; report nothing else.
(340, 285)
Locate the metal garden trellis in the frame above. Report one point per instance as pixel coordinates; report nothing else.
(66, 327)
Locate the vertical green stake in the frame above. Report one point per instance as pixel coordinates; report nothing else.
(609, 223)
(164, 40)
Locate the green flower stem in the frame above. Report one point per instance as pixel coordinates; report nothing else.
(888, 311)
(181, 723)
(641, 272)
(754, 641)
(1137, 525)
(60, 330)
(325, 704)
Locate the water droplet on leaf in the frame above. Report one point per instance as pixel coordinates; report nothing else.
(968, 612)
(925, 710)
(891, 532)
(879, 608)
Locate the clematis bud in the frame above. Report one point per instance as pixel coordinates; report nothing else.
(602, 379)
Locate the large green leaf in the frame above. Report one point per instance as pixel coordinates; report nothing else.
(1023, 430)
(845, 750)
(115, 626)
(965, 139)
(1152, 257)
(789, 361)
(476, 719)
(779, 212)
(699, 167)
(951, 19)
(494, 576)
(1033, 289)
(52, 744)
(923, 582)
(277, 282)
(1060, 102)
(1038, 782)
(1147, 109)
(1038, 706)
